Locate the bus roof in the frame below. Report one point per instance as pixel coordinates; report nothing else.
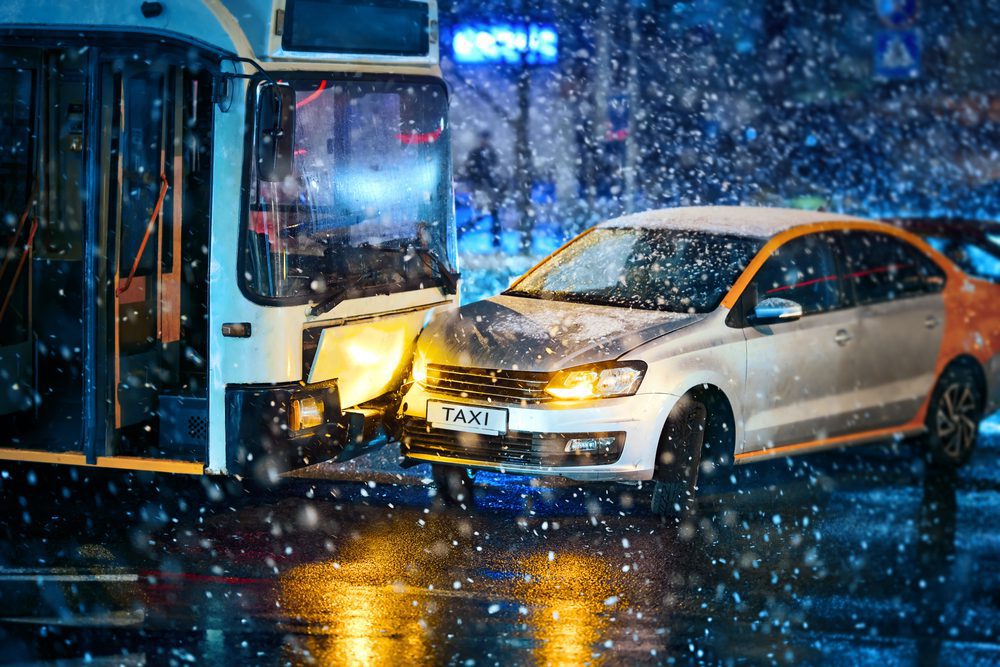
(257, 29)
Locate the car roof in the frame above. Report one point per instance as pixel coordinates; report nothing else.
(751, 221)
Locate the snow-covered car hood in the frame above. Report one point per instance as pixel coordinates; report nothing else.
(506, 332)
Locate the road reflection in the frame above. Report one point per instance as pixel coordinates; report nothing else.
(344, 623)
(403, 586)
(571, 599)
(877, 559)
(364, 607)
(938, 587)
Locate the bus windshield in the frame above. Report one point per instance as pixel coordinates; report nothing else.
(366, 207)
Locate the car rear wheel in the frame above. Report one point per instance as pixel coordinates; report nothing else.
(953, 417)
(454, 485)
(677, 459)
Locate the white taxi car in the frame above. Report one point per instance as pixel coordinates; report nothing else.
(667, 344)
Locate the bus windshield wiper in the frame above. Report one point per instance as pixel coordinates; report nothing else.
(328, 302)
(449, 277)
(332, 298)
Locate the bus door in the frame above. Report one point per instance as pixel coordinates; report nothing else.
(41, 280)
(19, 73)
(157, 402)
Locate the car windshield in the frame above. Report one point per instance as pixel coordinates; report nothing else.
(672, 270)
(366, 206)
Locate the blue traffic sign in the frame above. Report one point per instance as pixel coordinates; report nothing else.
(897, 54)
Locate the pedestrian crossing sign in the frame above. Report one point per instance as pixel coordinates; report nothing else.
(897, 54)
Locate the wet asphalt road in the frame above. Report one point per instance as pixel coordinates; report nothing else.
(866, 559)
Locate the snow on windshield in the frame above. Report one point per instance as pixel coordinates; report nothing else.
(649, 269)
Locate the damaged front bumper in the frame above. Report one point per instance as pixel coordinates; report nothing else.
(537, 438)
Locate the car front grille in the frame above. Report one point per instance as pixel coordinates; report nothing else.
(484, 384)
(514, 447)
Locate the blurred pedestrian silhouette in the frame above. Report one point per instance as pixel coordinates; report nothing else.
(481, 173)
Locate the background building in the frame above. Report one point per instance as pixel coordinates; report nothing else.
(656, 102)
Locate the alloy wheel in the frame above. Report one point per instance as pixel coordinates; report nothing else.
(956, 420)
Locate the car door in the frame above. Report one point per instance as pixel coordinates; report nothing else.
(900, 325)
(800, 374)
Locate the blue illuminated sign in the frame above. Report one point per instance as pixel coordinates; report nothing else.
(504, 43)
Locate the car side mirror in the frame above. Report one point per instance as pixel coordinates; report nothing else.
(775, 310)
(275, 131)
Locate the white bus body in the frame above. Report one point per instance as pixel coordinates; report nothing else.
(217, 307)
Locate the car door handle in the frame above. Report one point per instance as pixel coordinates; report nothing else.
(931, 321)
(842, 337)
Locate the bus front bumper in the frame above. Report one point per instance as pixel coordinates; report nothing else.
(259, 429)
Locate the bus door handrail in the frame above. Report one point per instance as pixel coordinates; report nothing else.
(164, 186)
(20, 226)
(20, 267)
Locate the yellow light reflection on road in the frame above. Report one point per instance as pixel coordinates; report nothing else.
(350, 624)
(402, 589)
(571, 599)
(359, 609)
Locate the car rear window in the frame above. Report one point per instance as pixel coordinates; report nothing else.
(882, 268)
(979, 259)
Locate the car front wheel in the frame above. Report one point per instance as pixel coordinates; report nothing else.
(454, 485)
(677, 459)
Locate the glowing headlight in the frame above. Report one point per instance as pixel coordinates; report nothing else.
(306, 412)
(597, 382)
(419, 371)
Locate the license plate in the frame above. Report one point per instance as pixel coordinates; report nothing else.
(468, 418)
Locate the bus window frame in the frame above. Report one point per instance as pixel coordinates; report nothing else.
(248, 139)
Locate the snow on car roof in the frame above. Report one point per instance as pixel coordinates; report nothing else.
(753, 221)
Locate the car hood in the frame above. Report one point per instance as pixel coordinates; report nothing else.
(507, 332)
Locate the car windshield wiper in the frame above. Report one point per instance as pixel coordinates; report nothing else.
(522, 293)
(450, 277)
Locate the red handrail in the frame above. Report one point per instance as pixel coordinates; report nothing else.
(20, 267)
(20, 226)
(164, 185)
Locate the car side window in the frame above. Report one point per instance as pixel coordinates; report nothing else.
(978, 258)
(882, 268)
(803, 270)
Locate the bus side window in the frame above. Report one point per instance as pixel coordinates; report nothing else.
(17, 123)
(142, 147)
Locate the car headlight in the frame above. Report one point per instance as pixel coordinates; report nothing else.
(419, 371)
(602, 381)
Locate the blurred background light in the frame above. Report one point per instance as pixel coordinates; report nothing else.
(504, 43)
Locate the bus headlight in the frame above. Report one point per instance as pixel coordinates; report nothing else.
(305, 413)
(620, 379)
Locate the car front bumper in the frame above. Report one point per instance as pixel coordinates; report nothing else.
(639, 419)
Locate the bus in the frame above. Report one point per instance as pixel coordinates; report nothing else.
(224, 224)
